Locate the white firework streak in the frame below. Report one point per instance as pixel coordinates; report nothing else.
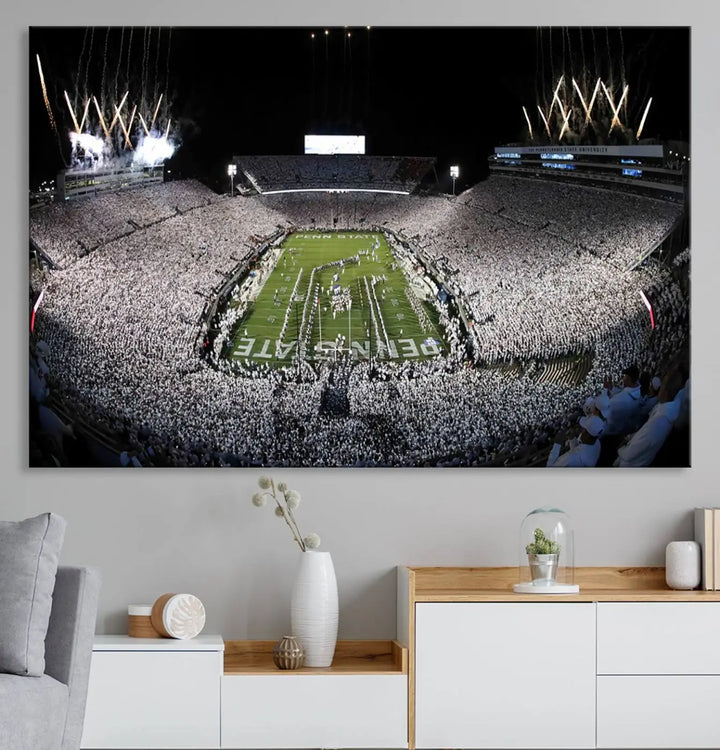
(613, 107)
(642, 122)
(102, 119)
(72, 113)
(117, 111)
(85, 114)
(592, 100)
(124, 129)
(528, 121)
(45, 96)
(585, 107)
(566, 120)
(557, 88)
(547, 127)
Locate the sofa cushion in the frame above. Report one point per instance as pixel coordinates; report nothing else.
(32, 712)
(29, 552)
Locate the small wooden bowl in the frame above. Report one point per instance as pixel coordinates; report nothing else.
(140, 621)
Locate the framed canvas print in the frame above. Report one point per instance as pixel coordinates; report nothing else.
(359, 246)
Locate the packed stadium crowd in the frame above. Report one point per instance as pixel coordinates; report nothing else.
(121, 323)
(67, 231)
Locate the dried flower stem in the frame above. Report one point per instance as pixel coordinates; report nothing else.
(287, 515)
(286, 500)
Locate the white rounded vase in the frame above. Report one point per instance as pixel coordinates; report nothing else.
(314, 608)
(682, 565)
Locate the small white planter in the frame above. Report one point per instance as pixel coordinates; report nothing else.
(314, 608)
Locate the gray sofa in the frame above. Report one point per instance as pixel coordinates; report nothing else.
(47, 712)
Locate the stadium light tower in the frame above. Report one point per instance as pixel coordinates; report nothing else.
(454, 173)
(232, 171)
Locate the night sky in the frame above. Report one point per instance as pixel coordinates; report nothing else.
(451, 93)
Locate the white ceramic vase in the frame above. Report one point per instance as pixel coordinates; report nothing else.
(314, 608)
(682, 565)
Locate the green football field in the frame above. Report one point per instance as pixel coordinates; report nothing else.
(363, 295)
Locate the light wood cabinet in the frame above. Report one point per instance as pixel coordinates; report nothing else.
(626, 663)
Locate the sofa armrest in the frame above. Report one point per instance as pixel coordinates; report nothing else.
(68, 644)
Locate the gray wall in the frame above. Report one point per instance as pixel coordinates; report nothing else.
(155, 531)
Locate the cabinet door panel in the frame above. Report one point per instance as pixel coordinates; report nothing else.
(505, 675)
(153, 700)
(657, 712)
(658, 638)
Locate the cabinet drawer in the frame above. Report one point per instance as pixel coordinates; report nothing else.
(658, 638)
(309, 711)
(658, 711)
(153, 700)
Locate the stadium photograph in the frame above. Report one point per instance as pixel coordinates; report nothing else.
(359, 246)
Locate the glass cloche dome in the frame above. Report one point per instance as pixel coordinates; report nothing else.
(546, 554)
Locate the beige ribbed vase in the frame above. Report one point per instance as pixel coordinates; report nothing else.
(288, 653)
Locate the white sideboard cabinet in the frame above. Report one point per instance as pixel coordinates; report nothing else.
(358, 702)
(625, 663)
(147, 693)
(658, 681)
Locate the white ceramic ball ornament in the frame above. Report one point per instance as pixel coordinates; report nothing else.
(178, 616)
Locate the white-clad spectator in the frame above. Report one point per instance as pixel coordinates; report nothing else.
(601, 404)
(584, 450)
(598, 406)
(589, 406)
(643, 445)
(624, 402)
(647, 403)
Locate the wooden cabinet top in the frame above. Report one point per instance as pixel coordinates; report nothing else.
(597, 584)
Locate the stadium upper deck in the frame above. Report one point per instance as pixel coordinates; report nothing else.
(639, 168)
(341, 172)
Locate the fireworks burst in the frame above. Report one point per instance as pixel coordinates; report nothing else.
(109, 124)
(582, 88)
(88, 149)
(153, 150)
(607, 112)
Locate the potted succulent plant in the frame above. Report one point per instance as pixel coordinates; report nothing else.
(543, 555)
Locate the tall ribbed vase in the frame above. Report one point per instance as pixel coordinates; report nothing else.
(314, 608)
